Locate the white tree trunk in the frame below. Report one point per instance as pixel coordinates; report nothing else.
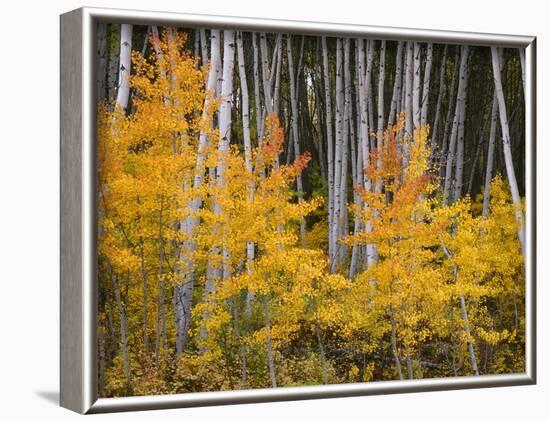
(451, 152)
(522, 62)
(204, 47)
(343, 232)
(250, 248)
(395, 98)
(380, 129)
(409, 126)
(440, 94)
(365, 150)
(368, 85)
(416, 86)
(426, 86)
(338, 151)
(450, 112)
(330, 150)
(460, 141)
(505, 130)
(490, 158)
(125, 64)
(266, 74)
(294, 125)
(277, 88)
(257, 100)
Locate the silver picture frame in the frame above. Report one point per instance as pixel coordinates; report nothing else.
(78, 254)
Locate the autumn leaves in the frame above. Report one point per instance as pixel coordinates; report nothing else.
(213, 263)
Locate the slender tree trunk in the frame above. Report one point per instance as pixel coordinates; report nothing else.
(454, 134)
(409, 126)
(270, 358)
(409, 368)
(416, 86)
(184, 289)
(397, 85)
(112, 69)
(250, 247)
(426, 86)
(330, 149)
(101, 60)
(266, 74)
(380, 130)
(505, 130)
(365, 150)
(471, 352)
(294, 126)
(277, 88)
(460, 142)
(204, 47)
(123, 93)
(123, 328)
(394, 350)
(490, 158)
(368, 83)
(160, 338)
(338, 153)
(440, 94)
(144, 304)
(450, 112)
(321, 352)
(522, 62)
(343, 204)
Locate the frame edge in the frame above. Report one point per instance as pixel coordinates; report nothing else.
(78, 391)
(71, 300)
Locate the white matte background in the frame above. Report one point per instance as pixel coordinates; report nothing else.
(29, 209)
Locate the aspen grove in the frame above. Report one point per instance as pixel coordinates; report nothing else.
(286, 210)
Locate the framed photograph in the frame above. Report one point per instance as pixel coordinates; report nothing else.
(258, 210)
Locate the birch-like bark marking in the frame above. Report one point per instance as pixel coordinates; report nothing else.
(368, 84)
(426, 86)
(338, 151)
(440, 94)
(508, 160)
(224, 119)
(257, 100)
(294, 126)
(343, 229)
(184, 291)
(454, 134)
(460, 142)
(380, 129)
(250, 248)
(451, 103)
(330, 147)
(125, 65)
(204, 47)
(395, 98)
(365, 148)
(266, 73)
(409, 126)
(277, 87)
(416, 86)
(471, 352)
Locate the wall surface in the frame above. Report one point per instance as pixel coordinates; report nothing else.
(29, 196)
